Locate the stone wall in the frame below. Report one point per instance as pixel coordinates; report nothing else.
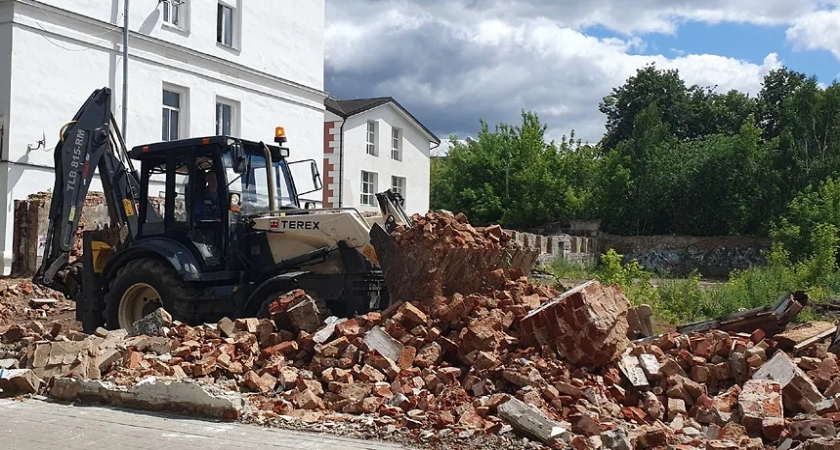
(713, 257)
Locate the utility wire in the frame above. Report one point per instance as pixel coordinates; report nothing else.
(51, 17)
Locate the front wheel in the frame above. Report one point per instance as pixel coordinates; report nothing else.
(142, 286)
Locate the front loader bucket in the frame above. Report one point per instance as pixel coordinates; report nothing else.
(425, 271)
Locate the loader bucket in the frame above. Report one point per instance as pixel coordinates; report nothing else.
(422, 272)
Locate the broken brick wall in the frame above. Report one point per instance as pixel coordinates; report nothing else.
(574, 249)
(32, 222)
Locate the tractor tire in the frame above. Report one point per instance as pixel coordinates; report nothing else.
(142, 286)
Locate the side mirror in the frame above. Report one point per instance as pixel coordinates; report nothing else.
(237, 155)
(316, 176)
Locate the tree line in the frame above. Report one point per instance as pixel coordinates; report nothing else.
(674, 159)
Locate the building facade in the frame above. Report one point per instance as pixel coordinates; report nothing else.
(372, 145)
(195, 68)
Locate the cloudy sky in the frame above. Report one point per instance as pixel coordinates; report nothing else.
(453, 62)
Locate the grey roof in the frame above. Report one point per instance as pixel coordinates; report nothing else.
(347, 108)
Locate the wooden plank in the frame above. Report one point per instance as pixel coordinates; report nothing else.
(813, 340)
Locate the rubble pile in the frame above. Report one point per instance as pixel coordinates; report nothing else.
(484, 364)
(510, 358)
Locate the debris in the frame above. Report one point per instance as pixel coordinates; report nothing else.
(810, 429)
(378, 340)
(770, 319)
(153, 394)
(464, 362)
(760, 402)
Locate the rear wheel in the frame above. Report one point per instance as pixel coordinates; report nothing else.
(142, 286)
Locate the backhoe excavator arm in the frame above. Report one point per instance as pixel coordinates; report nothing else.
(391, 207)
(89, 142)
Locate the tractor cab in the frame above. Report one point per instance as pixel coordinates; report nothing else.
(201, 193)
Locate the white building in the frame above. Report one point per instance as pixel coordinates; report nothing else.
(195, 68)
(371, 145)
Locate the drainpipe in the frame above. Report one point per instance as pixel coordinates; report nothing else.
(341, 164)
(125, 71)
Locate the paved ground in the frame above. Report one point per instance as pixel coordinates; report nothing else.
(37, 425)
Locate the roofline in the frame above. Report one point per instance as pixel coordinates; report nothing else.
(138, 150)
(373, 106)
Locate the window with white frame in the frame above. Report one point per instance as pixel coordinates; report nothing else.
(172, 106)
(226, 24)
(369, 181)
(227, 117)
(398, 185)
(371, 138)
(172, 11)
(396, 144)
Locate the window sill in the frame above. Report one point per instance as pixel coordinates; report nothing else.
(175, 29)
(228, 48)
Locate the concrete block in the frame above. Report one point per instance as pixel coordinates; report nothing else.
(531, 422)
(154, 395)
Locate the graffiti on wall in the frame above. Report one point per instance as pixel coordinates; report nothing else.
(714, 262)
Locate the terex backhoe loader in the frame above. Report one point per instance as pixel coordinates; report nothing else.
(227, 236)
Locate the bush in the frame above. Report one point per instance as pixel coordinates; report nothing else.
(631, 278)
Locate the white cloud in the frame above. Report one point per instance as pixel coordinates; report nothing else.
(817, 31)
(453, 62)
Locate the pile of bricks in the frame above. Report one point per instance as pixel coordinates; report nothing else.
(490, 363)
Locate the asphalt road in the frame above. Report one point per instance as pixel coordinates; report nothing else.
(38, 425)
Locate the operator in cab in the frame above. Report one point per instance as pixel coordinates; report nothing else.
(208, 208)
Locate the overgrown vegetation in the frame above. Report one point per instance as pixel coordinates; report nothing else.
(675, 159)
(677, 301)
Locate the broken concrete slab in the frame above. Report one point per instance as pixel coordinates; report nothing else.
(531, 422)
(324, 334)
(9, 363)
(630, 367)
(152, 394)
